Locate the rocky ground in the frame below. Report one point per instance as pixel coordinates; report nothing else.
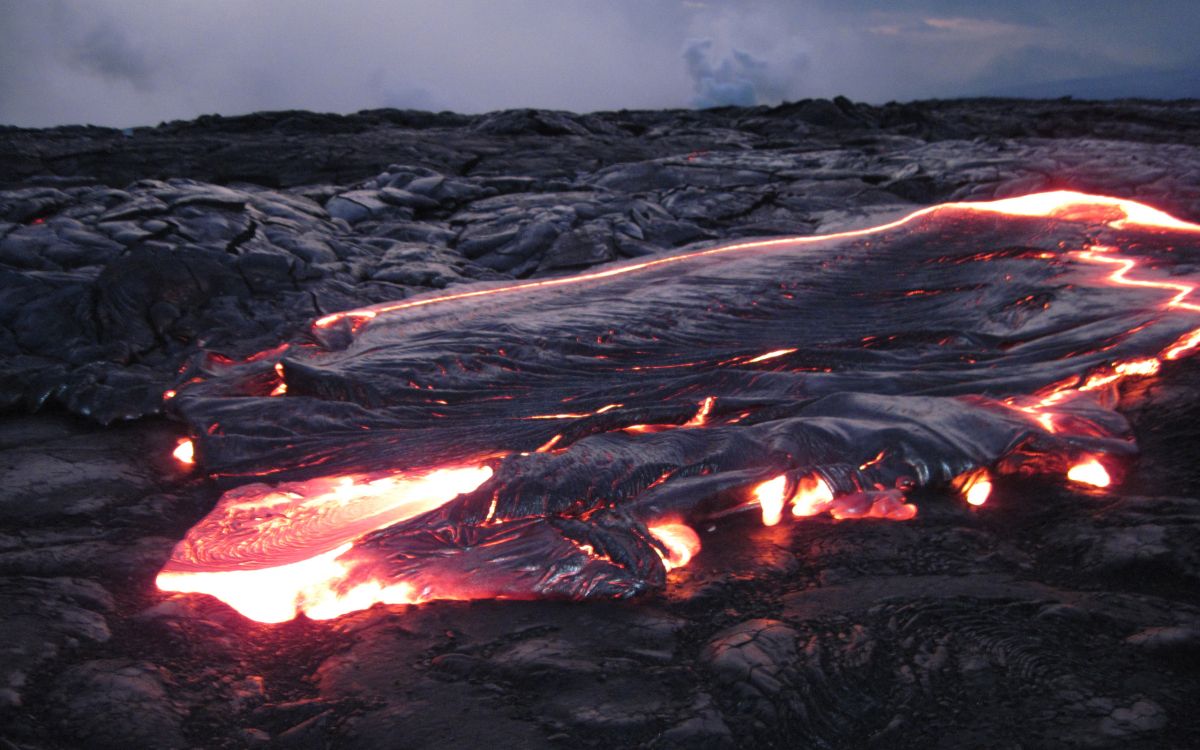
(1047, 618)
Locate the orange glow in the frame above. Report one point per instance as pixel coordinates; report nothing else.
(702, 414)
(576, 415)
(1183, 345)
(812, 496)
(699, 420)
(185, 452)
(1117, 213)
(285, 558)
(979, 492)
(280, 389)
(770, 497)
(1140, 368)
(887, 504)
(1135, 213)
(1090, 472)
(545, 447)
(168, 395)
(1099, 254)
(329, 320)
(681, 541)
(267, 594)
(770, 355)
(975, 486)
(868, 464)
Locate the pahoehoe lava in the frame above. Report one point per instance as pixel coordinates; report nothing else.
(161, 283)
(554, 438)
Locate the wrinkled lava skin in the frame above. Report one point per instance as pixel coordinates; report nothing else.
(898, 357)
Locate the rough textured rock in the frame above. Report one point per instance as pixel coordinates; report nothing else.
(115, 704)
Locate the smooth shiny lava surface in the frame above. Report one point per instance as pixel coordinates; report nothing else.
(566, 437)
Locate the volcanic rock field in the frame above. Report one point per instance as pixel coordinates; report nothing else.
(139, 268)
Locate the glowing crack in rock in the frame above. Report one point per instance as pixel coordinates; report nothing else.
(565, 437)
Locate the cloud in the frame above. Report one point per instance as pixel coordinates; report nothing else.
(949, 26)
(974, 26)
(740, 78)
(717, 85)
(134, 62)
(106, 51)
(389, 91)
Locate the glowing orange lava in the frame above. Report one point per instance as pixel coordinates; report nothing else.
(770, 355)
(702, 414)
(280, 389)
(1090, 472)
(185, 452)
(284, 560)
(1185, 344)
(681, 541)
(979, 493)
(576, 415)
(770, 497)
(549, 444)
(974, 486)
(1131, 213)
(812, 496)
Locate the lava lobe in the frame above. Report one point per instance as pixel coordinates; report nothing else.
(567, 436)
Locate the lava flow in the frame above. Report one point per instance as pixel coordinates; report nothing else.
(566, 437)
(278, 547)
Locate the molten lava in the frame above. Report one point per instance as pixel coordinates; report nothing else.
(974, 486)
(770, 496)
(1090, 472)
(184, 452)
(681, 541)
(812, 496)
(272, 552)
(619, 408)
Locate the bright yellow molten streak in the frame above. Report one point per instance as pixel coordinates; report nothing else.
(770, 497)
(1090, 472)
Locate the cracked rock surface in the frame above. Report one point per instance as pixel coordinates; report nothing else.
(130, 260)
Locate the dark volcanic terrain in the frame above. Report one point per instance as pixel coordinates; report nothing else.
(131, 260)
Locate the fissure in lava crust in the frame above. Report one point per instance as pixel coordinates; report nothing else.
(566, 437)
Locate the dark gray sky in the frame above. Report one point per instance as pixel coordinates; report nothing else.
(135, 62)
